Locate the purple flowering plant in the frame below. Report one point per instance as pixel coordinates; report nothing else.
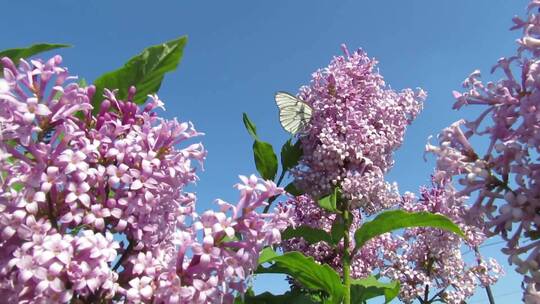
(337, 161)
(92, 203)
(93, 206)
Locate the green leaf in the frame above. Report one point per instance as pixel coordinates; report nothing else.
(77, 229)
(368, 288)
(145, 71)
(266, 255)
(288, 297)
(398, 219)
(250, 126)
(17, 186)
(291, 189)
(82, 83)
(337, 230)
(238, 300)
(227, 239)
(265, 159)
(308, 273)
(16, 54)
(290, 154)
(329, 202)
(309, 234)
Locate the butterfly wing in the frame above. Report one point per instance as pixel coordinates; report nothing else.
(294, 114)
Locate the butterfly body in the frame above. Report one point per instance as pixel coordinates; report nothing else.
(294, 114)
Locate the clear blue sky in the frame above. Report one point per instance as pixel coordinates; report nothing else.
(240, 52)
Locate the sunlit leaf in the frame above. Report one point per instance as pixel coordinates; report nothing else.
(330, 201)
(250, 126)
(288, 297)
(397, 219)
(266, 255)
(16, 54)
(145, 71)
(307, 272)
(368, 288)
(265, 159)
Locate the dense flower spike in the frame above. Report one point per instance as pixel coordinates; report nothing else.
(220, 264)
(71, 179)
(504, 177)
(429, 263)
(357, 124)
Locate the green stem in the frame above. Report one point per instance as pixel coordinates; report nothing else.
(426, 290)
(487, 287)
(281, 176)
(346, 258)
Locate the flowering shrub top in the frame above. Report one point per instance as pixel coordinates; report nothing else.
(75, 183)
(357, 124)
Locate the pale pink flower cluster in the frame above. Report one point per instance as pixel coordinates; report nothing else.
(503, 178)
(52, 268)
(429, 262)
(72, 179)
(217, 268)
(357, 124)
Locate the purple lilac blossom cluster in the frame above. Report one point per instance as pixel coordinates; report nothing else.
(503, 178)
(429, 262)
(73, 184)
(357, 124)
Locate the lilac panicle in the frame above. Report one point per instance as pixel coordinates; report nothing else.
(72, 179)
(357, 124)
(503, 177)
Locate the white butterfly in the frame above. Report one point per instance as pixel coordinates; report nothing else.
(294, 114)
